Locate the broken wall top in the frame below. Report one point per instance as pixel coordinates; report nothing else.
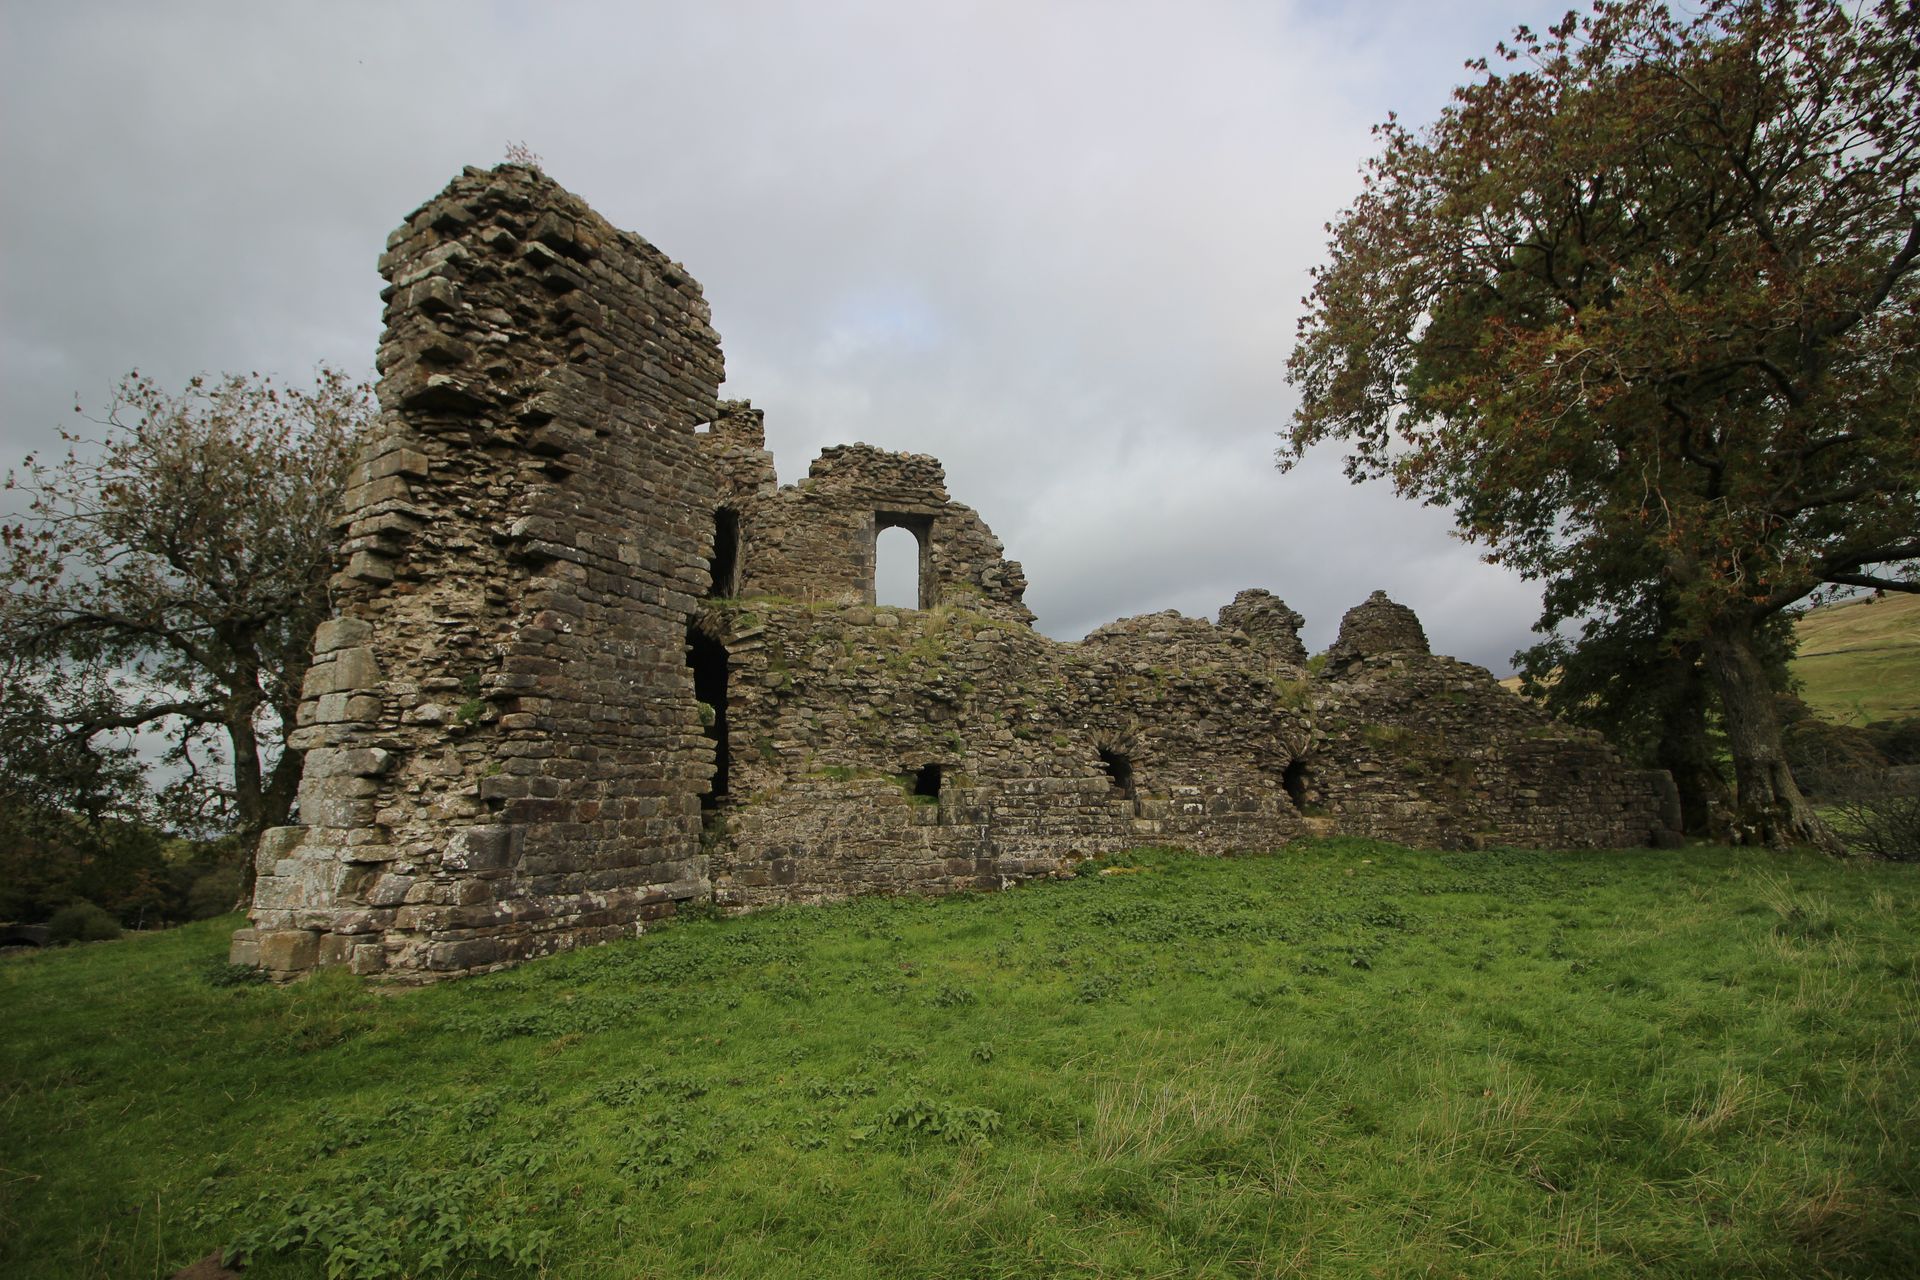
(815, 541)
(1377, 628)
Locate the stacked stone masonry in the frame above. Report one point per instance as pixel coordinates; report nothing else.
(592, 662)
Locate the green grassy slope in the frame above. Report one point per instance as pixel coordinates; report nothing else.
(1343, 1059)
(1859, 660)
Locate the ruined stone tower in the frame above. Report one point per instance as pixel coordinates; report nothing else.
(592, 662)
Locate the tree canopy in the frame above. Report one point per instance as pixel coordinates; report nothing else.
(169, 575)
(1641, 305)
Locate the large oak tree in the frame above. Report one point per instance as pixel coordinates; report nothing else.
(168, 575)
(1644, 298)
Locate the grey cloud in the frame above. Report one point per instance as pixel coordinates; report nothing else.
(1059, 246)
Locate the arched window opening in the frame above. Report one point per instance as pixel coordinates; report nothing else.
(896, 571)
(1119, 771)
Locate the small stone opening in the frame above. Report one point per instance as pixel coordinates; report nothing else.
(724, 568)
(1294, 780)
(708, 659)
(1119, 771)
(928, 780)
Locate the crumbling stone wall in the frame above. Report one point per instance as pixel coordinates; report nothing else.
(1268, 623)
(1027, 754)
(1376, 628)
(592, 661)
(1430, 751)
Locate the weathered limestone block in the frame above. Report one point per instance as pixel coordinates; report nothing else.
(484, 848)
(287, 950)
(342, 762)
(277, 845)
(245, 948)
(343, 671)
(336, 634)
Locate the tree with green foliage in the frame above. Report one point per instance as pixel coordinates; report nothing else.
(1652, 699)
(1645, 296)
(72, 814)
(168, 577)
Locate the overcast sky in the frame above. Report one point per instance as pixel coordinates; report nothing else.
(1060, 246)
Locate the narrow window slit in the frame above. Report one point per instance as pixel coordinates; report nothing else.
(724, 568)
(708, 659)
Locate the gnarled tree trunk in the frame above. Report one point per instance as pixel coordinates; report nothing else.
(1682, 751)
(1769, 807)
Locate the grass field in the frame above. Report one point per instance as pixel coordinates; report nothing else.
(1345, 1059)
(1859, 661)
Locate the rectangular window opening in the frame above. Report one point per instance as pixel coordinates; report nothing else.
(928, 781)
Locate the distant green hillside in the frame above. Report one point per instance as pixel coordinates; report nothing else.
(1859, 660)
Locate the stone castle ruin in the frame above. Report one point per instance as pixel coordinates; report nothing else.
(592, 663)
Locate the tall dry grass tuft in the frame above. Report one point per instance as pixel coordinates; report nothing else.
(1734, 1101)
(1153, 1115)
(1508, 1119)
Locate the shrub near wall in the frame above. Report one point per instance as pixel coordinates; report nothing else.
(82, 922)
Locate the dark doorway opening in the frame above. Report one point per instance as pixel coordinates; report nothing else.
(1295, 782)
(1119, 770)
(724, 568)
(708, 659)
(927, 781)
